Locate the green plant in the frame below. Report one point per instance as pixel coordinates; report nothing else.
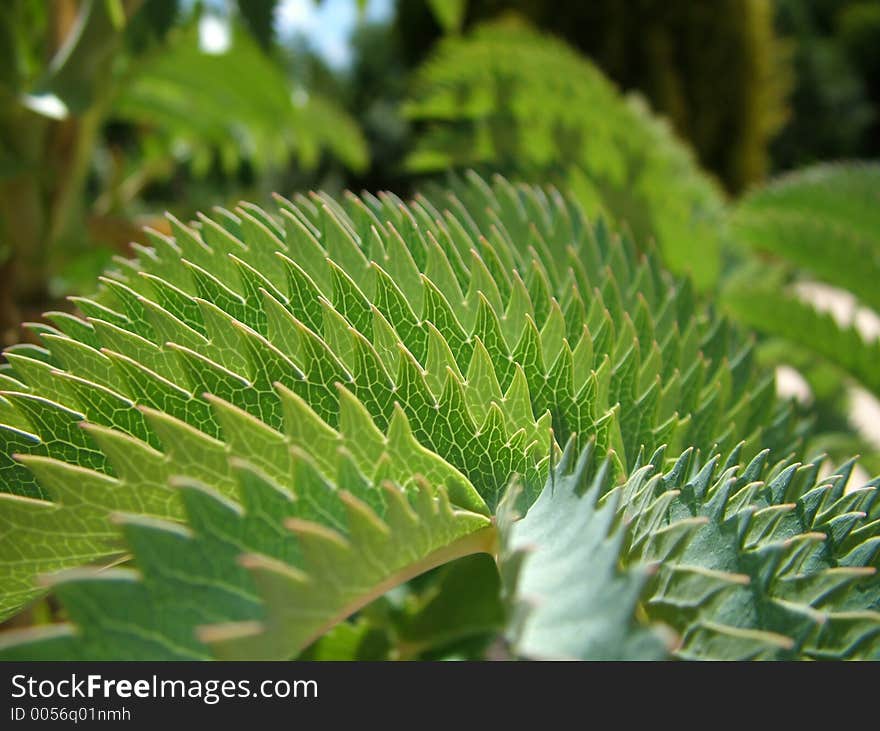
(505, 97)
(136, 65)
(278, 418)
(509, 98)
(235, 106)
(820, 224)
(715, 70)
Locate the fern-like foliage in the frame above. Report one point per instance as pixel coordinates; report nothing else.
(783, 314)
(234, 106)
(510, 98)
(279, 417)
(821, 223)
(824, 220)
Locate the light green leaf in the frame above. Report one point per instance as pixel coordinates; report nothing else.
(449, 13)
(568, 596)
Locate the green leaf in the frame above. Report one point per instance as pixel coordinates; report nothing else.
(823, 220)
(506, 97)
(257, 574)
(778, 313)
(462, 603)
(238, 103)
(449, 13)
(259, 16)
(569, 599)
(226, 384)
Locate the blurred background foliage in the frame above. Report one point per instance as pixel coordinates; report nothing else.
(717, 131)
(716, 70)
(724, 133)
(115, 110)
(547, 113)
